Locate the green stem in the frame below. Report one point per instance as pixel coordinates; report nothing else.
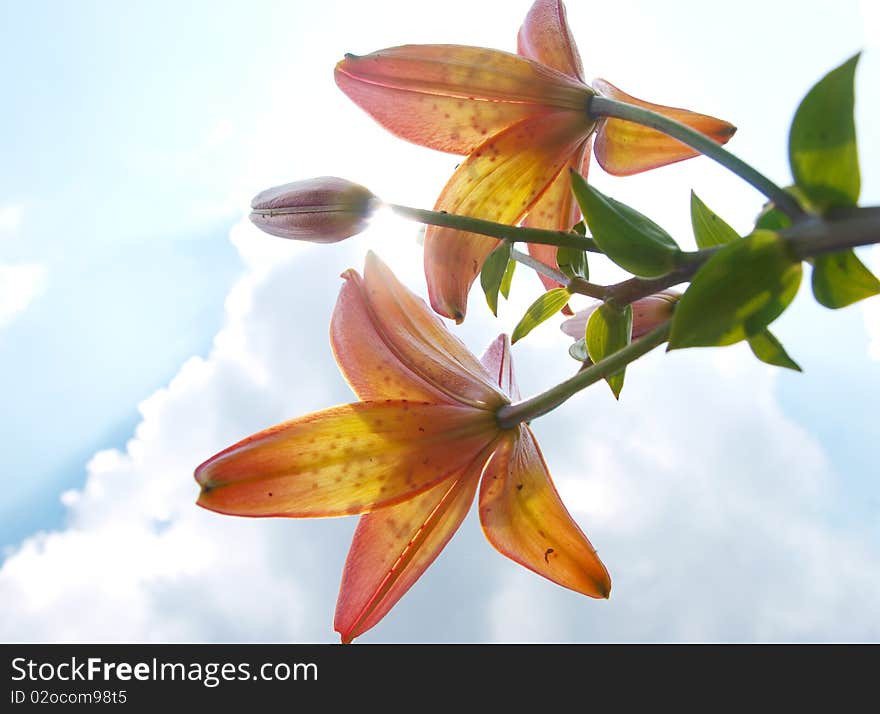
(607, 107)
(502, 231)
(574, 285)
(538, 266)
(512, 414)
(839, 229)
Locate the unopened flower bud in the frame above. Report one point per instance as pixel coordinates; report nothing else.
(321, 210)
(653, 311)
(648, 313)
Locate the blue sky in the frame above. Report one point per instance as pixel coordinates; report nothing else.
(150, 325)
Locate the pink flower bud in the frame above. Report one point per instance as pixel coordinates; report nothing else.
(648, 313)
(653, 311)
(321, 210)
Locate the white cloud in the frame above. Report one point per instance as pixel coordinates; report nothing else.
(10, 217)
(870, 22)
(20, 285)
(871, 309)
(222, 132)
(707, 503)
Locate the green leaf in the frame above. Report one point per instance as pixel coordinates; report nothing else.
(580, 228)
(507, 279)
(492, 274)
(631, 240)
(822, 143)
(543, 308)
(578, 351)
(573, 262)
(768, 349)
(608, 330)
(840, 279)
(709, 228)
(737, 292)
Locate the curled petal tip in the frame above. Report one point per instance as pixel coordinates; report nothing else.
(546, 37)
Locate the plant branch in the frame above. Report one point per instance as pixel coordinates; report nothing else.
(840, 229)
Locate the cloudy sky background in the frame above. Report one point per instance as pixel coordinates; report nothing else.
(144, 325)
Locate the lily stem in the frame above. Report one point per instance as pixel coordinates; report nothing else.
(538, 266)
(502, 231)
(607, 107)
(573, 285)
(510, 415)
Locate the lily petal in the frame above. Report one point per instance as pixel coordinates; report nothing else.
(624, 148)
(451, 97)
(524, 519)
(557, 210)
(344, 460)
(498, 360)
(392, 547)
(500, 181)
(361, 349)
(416, 337)
(546, 38)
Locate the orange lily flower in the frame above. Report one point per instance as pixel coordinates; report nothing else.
(410, 456)
(521, 121)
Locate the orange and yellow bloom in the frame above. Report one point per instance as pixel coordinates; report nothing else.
(521, 120)
(410, 456)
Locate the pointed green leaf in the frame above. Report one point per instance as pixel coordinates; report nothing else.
(609, 329)
(822, 143)
(543, 308)
(580, 228)
(507, 278)
(492, 274)
(768, 349)
(709, 228)
(631, 240)
(573, 262)
(737, 292)
(578, 351)
(840, 279)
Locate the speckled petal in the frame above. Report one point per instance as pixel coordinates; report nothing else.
(624, 148)
(411, 340)
(393, 546)
(524, 519)
(500, 181)
(344, 460)
(450, 97)
(363, 354)
(546, 38)
(557, 210)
